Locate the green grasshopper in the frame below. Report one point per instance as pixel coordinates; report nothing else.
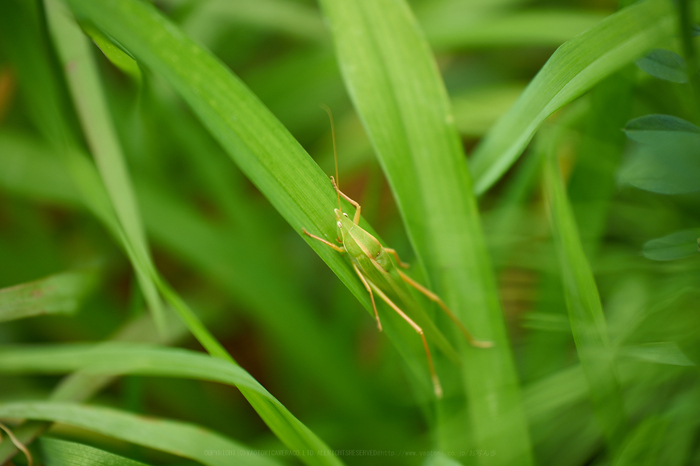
(379, 273)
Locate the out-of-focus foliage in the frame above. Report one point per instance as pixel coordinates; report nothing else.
(159, 160)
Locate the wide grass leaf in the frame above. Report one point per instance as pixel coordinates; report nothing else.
(57, 294)
(177, 438)
(64, 453)
(400, 97)
(572, 70)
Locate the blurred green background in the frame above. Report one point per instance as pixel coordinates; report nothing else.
(119, 196)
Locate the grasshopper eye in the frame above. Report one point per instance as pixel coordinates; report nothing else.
(340, 225)
(345, 214)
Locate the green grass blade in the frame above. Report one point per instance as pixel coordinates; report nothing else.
(659, 353)
(63, 453)
(81, 386)
(22, 37)
(450, 29)
(47, 107)
(206, 246)
(82, 78)
(57, 294)
(160, 361)
(178, 438)
(122, 358)
(574, 68)
(585, 310)
(395, 86)
(29, 170)
(478, 108)
(269, 156)
(287, 17)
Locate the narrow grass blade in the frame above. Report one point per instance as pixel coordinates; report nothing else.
(593, 184)
(121, 358)
(585, 310)
(82, 385)
(477, 109)
(397, 90)
(177, 438)
(29, 170)
(57, 294)
(23, 39)
(574, 68)
(115, 54)
(659, 353)
(64, 453)
(86, 90)
(293, 18)
(454, 28)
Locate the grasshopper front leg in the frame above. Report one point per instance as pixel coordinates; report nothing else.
(337, 248)
(355, 204)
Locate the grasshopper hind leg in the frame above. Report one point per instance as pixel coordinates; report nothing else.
(435, 298)
(433, 375)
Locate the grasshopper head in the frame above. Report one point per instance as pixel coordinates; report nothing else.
(344, 223)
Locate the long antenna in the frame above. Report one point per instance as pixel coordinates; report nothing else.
(335, 152)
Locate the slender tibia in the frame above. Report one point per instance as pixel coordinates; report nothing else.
(433, 297)
(433, 375)
(355, 204)
(371, 295)
(337, 248)
(396, 256)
